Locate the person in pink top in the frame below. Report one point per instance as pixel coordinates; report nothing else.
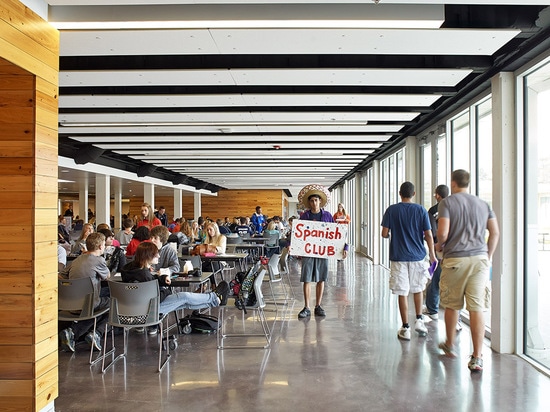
(341, 216)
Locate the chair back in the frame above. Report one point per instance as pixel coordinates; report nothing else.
(234, 240)
(76, 295)
(273, 267)
(260, 301)
(273, 240)
(134, 304)
(283, 261)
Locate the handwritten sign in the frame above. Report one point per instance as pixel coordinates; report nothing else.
(318, 239)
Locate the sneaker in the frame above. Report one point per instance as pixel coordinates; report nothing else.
(222, 291)
(432, 316)
(66, 339)
(319, 311)
(475, 364)
(304, 313)
(449, 352)
(139, 330)
(458, 326)
(404, 333)
(94, 340)
(152, 330)
(420, 327)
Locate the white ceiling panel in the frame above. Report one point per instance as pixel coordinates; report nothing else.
(306, 76)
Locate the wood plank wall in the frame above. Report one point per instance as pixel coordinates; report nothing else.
(29, 55)
(229, 203)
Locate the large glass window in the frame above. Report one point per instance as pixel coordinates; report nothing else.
(461, 148)
(484, 134)
(536, 89)
(426, 165)
(443, 174)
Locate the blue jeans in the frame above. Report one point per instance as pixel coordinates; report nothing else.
(188, 300)
(432, 291)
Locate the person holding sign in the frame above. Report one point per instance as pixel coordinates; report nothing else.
(314, 269)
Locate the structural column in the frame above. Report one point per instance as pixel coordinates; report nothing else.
(505, 205)
(178, 204)
(102, 199)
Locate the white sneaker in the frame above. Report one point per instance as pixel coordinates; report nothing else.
(458, 326)
(404, 333)
(420, 328)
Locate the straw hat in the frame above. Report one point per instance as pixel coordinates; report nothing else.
(309, 190)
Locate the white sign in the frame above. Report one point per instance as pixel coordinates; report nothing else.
(318, 239)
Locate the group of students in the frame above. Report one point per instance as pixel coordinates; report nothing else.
(151, 259)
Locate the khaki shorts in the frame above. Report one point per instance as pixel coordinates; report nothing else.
(408, 277)
(464, 278)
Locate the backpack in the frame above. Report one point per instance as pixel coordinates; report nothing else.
(247, 296)
(199, 323)
(236, 283)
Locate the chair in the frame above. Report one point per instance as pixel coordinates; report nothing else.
(76, 303)
(135, 305)
(257, 307)
(285, 269)
(272, 244)
(275, 276)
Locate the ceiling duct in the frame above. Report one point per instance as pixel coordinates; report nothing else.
(146, 170)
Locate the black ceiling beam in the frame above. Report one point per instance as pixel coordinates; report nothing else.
(305, 109)
(279, 61)
(175, 89)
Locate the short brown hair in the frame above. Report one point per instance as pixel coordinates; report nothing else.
(461, 177)
(94, 241)
(161, 232)
(145, 253)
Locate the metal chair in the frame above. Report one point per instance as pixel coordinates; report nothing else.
(76, 303)
(257, 307)
(272, 244)
(285, 269)
(275, 276)
(135, 305)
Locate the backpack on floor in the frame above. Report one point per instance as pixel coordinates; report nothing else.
(199, 323)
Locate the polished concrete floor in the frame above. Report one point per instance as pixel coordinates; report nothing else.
(349, 361)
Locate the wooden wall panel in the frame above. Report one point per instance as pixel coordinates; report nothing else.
(29, 70)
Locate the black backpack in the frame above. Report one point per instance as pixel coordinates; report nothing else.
(199, 323)
(247, 296)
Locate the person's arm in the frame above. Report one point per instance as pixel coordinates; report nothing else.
(443, 224)
(430, 241)
(386, 232)
(102, 270)
(222, 244)
(494, 235)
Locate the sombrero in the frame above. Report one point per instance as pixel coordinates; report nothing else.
(309, 190)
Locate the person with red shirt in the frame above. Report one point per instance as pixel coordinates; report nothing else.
(147, 217)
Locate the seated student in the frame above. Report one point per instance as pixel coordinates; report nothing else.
(285, 240)
(168, 257)
(89, 264)
(224, 230)
(125, 236)
(140, 270)
(244, 230)
(64, 238)
(141, 234)
(114, 255)
(215, 238)
(114, 242)
(61, 258)
(79, 245)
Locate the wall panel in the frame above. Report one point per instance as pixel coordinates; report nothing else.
(29, 69)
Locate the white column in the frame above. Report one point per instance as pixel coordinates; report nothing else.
(411, 163)
(83, 201)
(505, 205)
(196, 205)
(118, 204)
(178, 204)
(377, 215)
(149, 194)
(102, 199)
